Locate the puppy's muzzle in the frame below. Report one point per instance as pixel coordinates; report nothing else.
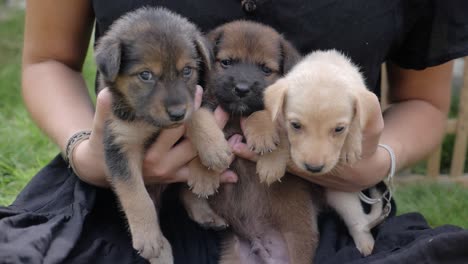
(176, 112)
(242, 89)
(314, 168)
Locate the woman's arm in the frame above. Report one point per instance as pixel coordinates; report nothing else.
(413, 126)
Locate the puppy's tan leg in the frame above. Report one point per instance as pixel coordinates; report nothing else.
(200, 211)
(261, 132)
(142, 218)
(202, 182)
(213, 149)
(271, 166)
(297, 219)
(348, 206)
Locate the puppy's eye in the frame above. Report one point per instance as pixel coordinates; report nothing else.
(146, 76)
(339, 129)
(267, 71)
(226, 63)
(187, 71)
(296, 125)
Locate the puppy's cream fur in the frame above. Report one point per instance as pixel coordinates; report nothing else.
(322, 105)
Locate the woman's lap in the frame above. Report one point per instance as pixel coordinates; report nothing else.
(58, 218)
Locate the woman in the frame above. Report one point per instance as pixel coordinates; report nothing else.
(68, 218)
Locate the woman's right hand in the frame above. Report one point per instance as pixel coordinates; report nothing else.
(164, 162)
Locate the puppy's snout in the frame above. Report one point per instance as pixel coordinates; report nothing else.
(314, 168)
(176, 112)
(242, 89)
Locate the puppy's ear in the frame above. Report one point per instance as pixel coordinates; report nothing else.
(274, 97)
(205, 51)
(289, 56)
(365, 106)
(108, 56)
(215, 37)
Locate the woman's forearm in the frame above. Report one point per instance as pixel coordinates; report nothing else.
(57, 100)
(413, 129)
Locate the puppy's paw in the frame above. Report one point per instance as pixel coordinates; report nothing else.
(202, 182)
(351, 157)
(153, 246)
(261, 133)
(216, 155)
(365, 247)
(165, 255)
(364, 241)
(270, 169)
(207, 218)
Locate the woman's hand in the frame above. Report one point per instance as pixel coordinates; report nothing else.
(164, 162)
(371, 169)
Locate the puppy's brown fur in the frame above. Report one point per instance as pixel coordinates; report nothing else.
(150, 60)
(274, 224)
(323, 105)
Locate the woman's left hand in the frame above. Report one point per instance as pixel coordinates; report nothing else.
(368, 171)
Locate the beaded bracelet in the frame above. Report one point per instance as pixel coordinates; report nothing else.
(74, 140)
(387, 195)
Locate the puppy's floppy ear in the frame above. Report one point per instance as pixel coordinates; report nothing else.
(365, 106)
(275, 97)
(204, 50)
(289, 56)
(215, 37)
(108, 56)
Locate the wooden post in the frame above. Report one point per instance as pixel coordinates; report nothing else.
(461, 134)
(433, 163)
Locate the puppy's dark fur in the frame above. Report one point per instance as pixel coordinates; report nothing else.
(150, 60)
(277, 222)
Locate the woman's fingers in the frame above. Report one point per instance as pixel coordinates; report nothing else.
(198, 97)
(221, 117)
(241, 149)
(103, 110)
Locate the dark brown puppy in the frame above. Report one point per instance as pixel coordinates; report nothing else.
(271, 224)
(150, 59)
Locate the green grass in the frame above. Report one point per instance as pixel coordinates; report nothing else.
(23, 147)
(24, 150)
(439, 203)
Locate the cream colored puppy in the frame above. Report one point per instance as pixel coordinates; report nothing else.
(321, 107)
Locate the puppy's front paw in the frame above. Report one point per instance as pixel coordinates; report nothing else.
(261, 133)
(153, 246)
(351, 157)
(216, 155)
(270, 168)
(202, 182)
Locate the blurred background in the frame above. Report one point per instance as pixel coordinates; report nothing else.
(427, 187)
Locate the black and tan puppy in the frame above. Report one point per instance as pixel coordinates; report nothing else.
(150, 59)
(270, 224)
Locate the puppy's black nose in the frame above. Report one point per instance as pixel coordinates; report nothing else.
(242, 89)
(176, 113)
(314, 168)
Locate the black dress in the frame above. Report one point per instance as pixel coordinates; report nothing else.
(59, 219)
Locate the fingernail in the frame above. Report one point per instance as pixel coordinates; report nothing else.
(230, 177)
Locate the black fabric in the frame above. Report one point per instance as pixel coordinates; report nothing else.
(412, 33)
(59, 219)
